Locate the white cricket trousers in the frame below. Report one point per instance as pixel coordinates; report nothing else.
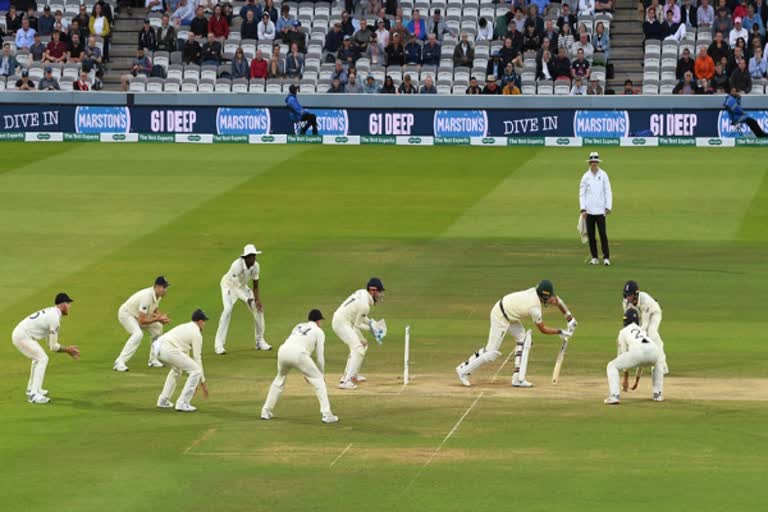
(500, 326)
(356, 343)
(638, 355)
(32, 349)
(653, 331)
(291, 356)
(229, 298)
(179, 362)
(136, 331)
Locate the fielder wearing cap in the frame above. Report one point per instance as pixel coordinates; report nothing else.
(235, 285)
(181, 349)
(349, 320)
(596, 202)
(296, 352)
(650, 316)
(138, 314)
(37, 326)
(506, 317)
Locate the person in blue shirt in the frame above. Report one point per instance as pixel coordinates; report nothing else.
(298, 114)
(737, 115)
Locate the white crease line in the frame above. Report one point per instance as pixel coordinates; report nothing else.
(402, 388)
(208, 433)
(341, 455)
(501, 367)
(445, 440)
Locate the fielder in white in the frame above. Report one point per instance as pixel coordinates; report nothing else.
(634, 349)
(349, 320)
(650, 316)
(234, 287)
(40, 325)
(296, 352)
(138, 314)
(174, 348)
(506, 317)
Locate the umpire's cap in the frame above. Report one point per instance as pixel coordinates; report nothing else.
(631, 317)
(375, 282)
(315, 315)
(545, 289)
(630, 288)
(198, 315)
(293, 89)
(62, 298)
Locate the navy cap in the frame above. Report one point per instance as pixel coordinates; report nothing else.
(63, 298)
(630, 288)
(315, 315)
(375, 282)
(631, 317)
(162, 281)
(199, 315)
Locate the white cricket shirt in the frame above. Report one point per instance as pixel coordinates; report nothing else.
(646, 306)
(143, 301)
(310, 337)
(355, 309)
(595, 195)
(187, 339)
(518, 305)
(239, 276)
(42, 324)
(631, 336)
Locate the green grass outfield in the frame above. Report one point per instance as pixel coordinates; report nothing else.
(449, 230)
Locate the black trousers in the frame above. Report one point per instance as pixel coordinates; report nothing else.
(599, 221)
(755, 127)
(309, 120)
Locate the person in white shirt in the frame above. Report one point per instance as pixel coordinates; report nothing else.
(635, 348)
(738, 31)
(138, 314)
(266, 29)
(37, 326)
(296, 352)
(596, 202)
(181, 348)
(235, 286)
(507, 316)
(349, 320)
(650, 316)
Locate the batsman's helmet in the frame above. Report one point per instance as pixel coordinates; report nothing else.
(545, 289)
(375, 282)
(631, 317)
(630, 288)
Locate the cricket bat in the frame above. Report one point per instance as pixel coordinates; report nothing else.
(559, 361)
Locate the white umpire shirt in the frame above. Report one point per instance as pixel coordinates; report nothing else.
(595, 195)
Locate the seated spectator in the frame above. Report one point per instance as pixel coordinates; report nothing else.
(333, 41)
(491, 87)
(629, 88)
(191, 52)
(545, 67)
(353, 87)
(259, 66)
(376, 53)
(684, 64)
(285, 21)
(437, 25)
(412, 51)
(531, 39)
(515, 35)
(463, 54)
(740, 78)
(431, 51)
(429, 86)
(362, 37)
(371, 86)
(566, 17)
(249, 29)
(550, 33)
(199, 25)
(142, 66)
(723, 22)
(509, 75)
(578, 88)
(652, 29)
(689, 16)
(719, 48)
(251, 6)
(586, 7)
(495, 66)
(347, 54)
(147, 37)
(269, 8)
(25, 83)
(340, 72)
(719, 82)
(45, 22)
(399, 28)
(601, 44)
(266, 30)
(348, 24)
(753, 19)
(594, 88)
(561, 64)
(565, 39)
(671, 5)
(13, 20)
(603, 6)
(502, 22)
(757, 64)
(184, 13)
(511, 89)
(153, 5)
(62, 22)
(226, 10)
(294, 62)
(336, 87)
(583, 44)
(687, 85)
(407, 86)
(56, 51)
(37, 50)
(395, 52)
(48, 82)
(739, 8)
(484, 30)
(276, 68)
(509, 53)
(82, 83)
(219, 27)
(240, 66)
(705, 14)
(534, 19)
(382, 33)
(92, 60)
(519, 20)
(473, 88)
(416, 27)
(76, 48)
(25, 36)
(704, 66)
(737, 32)
(8, 63)
(580, 66)
(211, 51)
(388, 87)
(166, 35)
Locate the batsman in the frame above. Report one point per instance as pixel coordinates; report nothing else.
(507, 316)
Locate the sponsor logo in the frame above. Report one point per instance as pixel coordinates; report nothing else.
(341, 140)
(749, 141)
(102, 119)
(600, 141)
(242, 121)
(118, 136)
(414, 140)
(639, 141)
(460, 123)
(28, 121)
(230, 138)
(378, 139)
(525, 141)
(488, 140)
(563, 141)
(156, 137)
(305, 139)
(194, 138)
(452, 141)
(82, 137)
(714, 142)
(601, 123)
(8, 136)
(726, 129)
(332, 121)
(267, 138)
(43, 136)
(677, 141)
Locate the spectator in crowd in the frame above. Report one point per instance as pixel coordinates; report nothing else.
(474, 87)
(519, 20)
(340, 72)
(722, 22)
(371, 86)
(166, 35)
(416, 27)
(491, 87)
(685, 64)
(566, 17)
(671, 5)
(407, 86)
(484, 30)
(219, 27)
(531, 39)
(25, 35)
(82, 19)
(336, 87)
(8, 63)
(510, 53)
(629, 88)
(353, 87)
(367, 8)
(757, 64)
(652, 29)
(753, 19)
(269, 8)
(388, 87)
(495, 66)
(578, 88)
(56, 51)
(502, 22)
(259, 66)
(82, 83)
(153, 5)
(687, 85)
(565, 39)
(738, 31)
(594, 88)
(437, 25)
(294, 62)
(562, 65)
(740, 9)
(515, 35)
(689, 15)
(249, 28)
(719, 82)
(546, 46)
(207, 5)
(580, 66)
(583, 44)
(463, 54)
(382, 33)
(551, 33)
(534, 19)
(348, 24)
(511, 89)
(63, 22)
(251, 6)
(429, 86)
(669, 27)
(199, 25)
(184, 13)
(412, 51)
(37, 50)
(376, 53)
(545, 67)
(76, 48)
(25, 83)
(147, 37)
(285, 21)
(48, 82)
(142, 66)
(98, 25)
(431, 51)
(191, 52)
(740, 78)
(603, 6)
(719, 48)
(295, 36)
(362, 37)
(601, 43)
(92, 58)
(586, 7)
(704, 66)
(240, 66)
(347, 53)
(400, 29)
(333, 41)
(211, 51)
(705, 15)
(75, 28)
(45, 22)
(395, 52)
(13, 20)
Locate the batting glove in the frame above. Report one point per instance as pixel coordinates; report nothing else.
(572, 323)
(565, 335)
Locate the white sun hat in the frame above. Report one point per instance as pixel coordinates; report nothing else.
(250, 249)
(594, 157)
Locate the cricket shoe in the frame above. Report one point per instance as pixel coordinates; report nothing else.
(462, 377)
(220, 351)
(521, 384)
(155, 364)
(612, 400)
(348, 385)
(594, 261)
(266, 414)
(658, 397)
(606, 262)
(120, 367)
(330, 418)
(37, 398)
(263, 345)
(165, 404)
(359, 378)
(43, 392)
(185, 407)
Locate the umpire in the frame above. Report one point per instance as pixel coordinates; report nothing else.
(596, 201)
(298, 114)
